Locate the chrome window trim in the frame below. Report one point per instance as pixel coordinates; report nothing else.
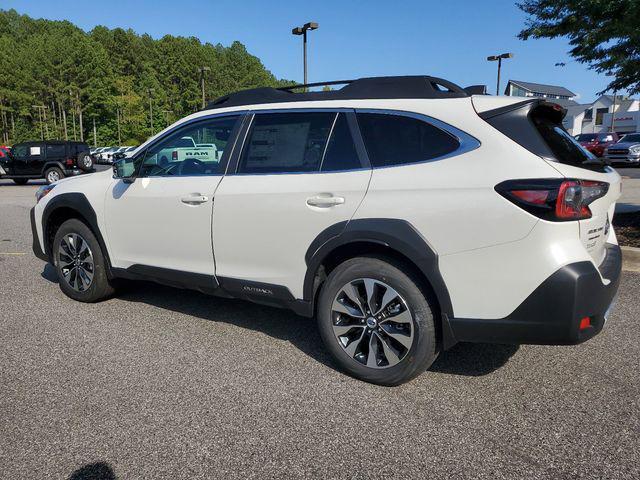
(467, 143)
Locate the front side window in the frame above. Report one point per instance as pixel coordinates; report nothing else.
(190, 151)
(399, 140)
(20, 151)
(288, 142)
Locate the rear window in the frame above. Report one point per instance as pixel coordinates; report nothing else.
(399, 140)
(537, 126)
(586, 137)
(565, 148)
(185, 142)
(631, 138)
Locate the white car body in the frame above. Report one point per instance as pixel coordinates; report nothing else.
(256, 232)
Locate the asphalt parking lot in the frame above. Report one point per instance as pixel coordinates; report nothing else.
(165, 383)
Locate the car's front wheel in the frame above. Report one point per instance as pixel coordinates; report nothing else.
(80, 263)
(376, 321)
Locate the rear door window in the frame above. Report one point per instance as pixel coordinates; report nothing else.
(399, 140)
(341, 153)
(288, 142)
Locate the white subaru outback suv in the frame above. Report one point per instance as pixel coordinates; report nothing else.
(403, 212)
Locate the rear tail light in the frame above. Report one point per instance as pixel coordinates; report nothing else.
(554, 199)
(585, 323)
(69, 162)
(174, 155)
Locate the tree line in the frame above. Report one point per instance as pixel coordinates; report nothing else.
(110, 86)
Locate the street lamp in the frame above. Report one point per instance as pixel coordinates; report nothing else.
(202, 70)
(498, 58)
(303, 31)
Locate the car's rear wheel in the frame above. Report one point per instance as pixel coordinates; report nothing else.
(20, 181)
(80, 263)
(53, 174)
(85, 162)
(376, 321)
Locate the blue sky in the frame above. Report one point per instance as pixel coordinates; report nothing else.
(449, 38)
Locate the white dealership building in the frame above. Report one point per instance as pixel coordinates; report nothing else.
(620, 114)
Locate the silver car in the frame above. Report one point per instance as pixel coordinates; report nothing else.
(627, 150)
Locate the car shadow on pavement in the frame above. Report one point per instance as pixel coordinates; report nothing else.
(467, 359)
(473, 359)
(94, 471)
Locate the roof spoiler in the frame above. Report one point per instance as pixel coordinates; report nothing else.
(476, 90)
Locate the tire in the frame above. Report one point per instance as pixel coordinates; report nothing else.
(414, 325)
(85, 162)
(20, 181)
(53, 174)
(75, 234)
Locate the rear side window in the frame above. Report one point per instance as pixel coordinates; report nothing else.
(286, 142)
(399, 140)
(55, 151)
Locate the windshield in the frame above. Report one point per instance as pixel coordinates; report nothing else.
(586, 137)
(633, 137)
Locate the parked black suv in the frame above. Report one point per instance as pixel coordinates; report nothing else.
(51, 160)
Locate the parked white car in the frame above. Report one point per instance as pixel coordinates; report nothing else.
(403, 213)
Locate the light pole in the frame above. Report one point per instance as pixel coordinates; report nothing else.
(202, 70)
(151, 111)
(303, 31)
(499, 58)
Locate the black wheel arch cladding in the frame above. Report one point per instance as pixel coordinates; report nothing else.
(395, 234)
(79, 207)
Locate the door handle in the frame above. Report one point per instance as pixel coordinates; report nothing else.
(194, 199)
(324, 202)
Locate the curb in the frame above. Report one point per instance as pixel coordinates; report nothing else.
(631, 259)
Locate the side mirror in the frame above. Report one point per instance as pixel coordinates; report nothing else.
(124, 169)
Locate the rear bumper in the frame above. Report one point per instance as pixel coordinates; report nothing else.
(551, 315)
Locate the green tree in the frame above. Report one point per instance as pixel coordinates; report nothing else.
(105, 76)
(605, 34)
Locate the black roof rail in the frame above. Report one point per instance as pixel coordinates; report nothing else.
(417, 86)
